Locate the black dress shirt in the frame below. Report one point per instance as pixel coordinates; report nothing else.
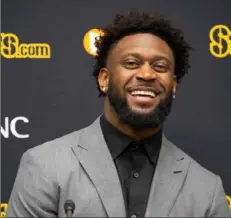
(135, 162)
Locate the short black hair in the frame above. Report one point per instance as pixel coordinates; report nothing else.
(140, 22)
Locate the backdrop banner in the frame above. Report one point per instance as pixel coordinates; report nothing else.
(48, 90)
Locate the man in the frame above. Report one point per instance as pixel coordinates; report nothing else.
(122, 164)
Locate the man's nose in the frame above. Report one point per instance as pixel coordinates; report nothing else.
(146, 73)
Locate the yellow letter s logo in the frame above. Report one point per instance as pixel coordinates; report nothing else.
(220, 41)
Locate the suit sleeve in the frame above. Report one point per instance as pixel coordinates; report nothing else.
(219, 206)
(33, 193)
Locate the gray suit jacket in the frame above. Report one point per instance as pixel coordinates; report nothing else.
(79, 166)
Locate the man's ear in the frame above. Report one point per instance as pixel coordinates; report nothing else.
(103, 79)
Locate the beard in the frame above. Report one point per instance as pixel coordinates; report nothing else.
(136, 120)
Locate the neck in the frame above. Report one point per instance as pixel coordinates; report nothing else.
(113, 118)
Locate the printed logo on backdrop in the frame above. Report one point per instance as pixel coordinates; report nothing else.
(3, 209)
(229, 201)
(220, 41)
(12, 49)
(89, 40)
(11, 127)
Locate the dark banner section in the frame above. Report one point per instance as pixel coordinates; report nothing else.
(48, 89)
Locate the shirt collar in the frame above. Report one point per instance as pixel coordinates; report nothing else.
(117, 141)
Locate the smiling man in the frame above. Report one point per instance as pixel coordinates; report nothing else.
(122, 165)
(139, 82)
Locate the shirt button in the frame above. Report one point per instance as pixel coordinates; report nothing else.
(133, 216)
(136, 175)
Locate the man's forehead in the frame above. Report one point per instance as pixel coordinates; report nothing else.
(142, 44)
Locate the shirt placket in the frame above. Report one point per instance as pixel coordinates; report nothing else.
(137, 181)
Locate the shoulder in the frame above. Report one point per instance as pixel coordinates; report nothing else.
(63, 144)
(202, 190)
(56, 146)
(52, 156)
(198, 177)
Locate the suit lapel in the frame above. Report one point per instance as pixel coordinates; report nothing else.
(93, 154)
(171, 170)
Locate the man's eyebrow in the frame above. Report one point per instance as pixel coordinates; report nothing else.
(160, 57)
(155, 58)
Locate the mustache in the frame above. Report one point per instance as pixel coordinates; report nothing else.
(156, 87)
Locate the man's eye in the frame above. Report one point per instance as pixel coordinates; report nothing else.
(160, 68)
(131, 64)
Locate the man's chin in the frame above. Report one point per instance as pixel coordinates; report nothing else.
(139, 118)
(140, 121)
(142, 111)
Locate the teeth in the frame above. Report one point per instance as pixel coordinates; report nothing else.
(147, 93)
